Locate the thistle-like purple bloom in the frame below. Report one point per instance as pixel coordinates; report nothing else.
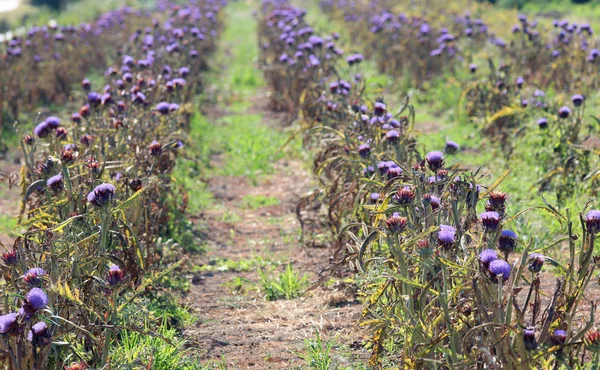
(8, 323)
(434, 202)
(163, 107)
(39, 335)
(115, 275)
(396, 223)
(93, 98)
(33, 276)
(35, 299)
(519, 82)
(558, 337)
(536, 262)
(374, 197)
(490, 221)
(364, 150)
(542, 123)
(43, 129)
(379, 108)
(507, 241)
(10, 258)
(101, 195)
(592, 221)
(499, 267)
(451, 147)
(446, 236)
(184, 71)
(55, 182)
(564, 112)
(577, 100)
(487, 256)
(529, 339)
(394, 172)
(392, 136)
(435, 160)
(53, 122)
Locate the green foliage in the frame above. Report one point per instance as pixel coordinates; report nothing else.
(157, 348)
(259, 201)
(241, 265)
(288, 285)
(318, 353)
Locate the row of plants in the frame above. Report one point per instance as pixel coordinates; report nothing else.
(98, 197)
(448, 283)
(535, 84)
(43, 64)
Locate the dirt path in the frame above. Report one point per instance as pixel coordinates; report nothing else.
(236, 323)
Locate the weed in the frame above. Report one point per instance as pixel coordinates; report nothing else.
(318, 353)
(288, 285)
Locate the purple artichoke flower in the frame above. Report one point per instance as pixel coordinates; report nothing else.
(374, 197)
(394, 172)
(529, 339)
(542, 123)
(392, 136)
(558, 337)
(35, 300)
(395, 223)
(577, 100)
(592, 221)
(536, 262)
(86, 84)
(43, 129)
(446, 236)
(487, 256)
(490, 221)
(499, 267)
(435, 160)
(39, 335)
(184, 71)
(93, 98)
(115, 275)
(564, 112)
(519, 82)
(55, 183)
(8, 323)
(33, 276)
(163, 107)
(364, 150)
(451, 147)
(155, 148)
(101, 195)
(10, 258)
(507, 241)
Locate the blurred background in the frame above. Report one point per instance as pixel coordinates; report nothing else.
(17, 13)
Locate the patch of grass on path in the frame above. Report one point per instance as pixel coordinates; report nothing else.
(244, 143)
